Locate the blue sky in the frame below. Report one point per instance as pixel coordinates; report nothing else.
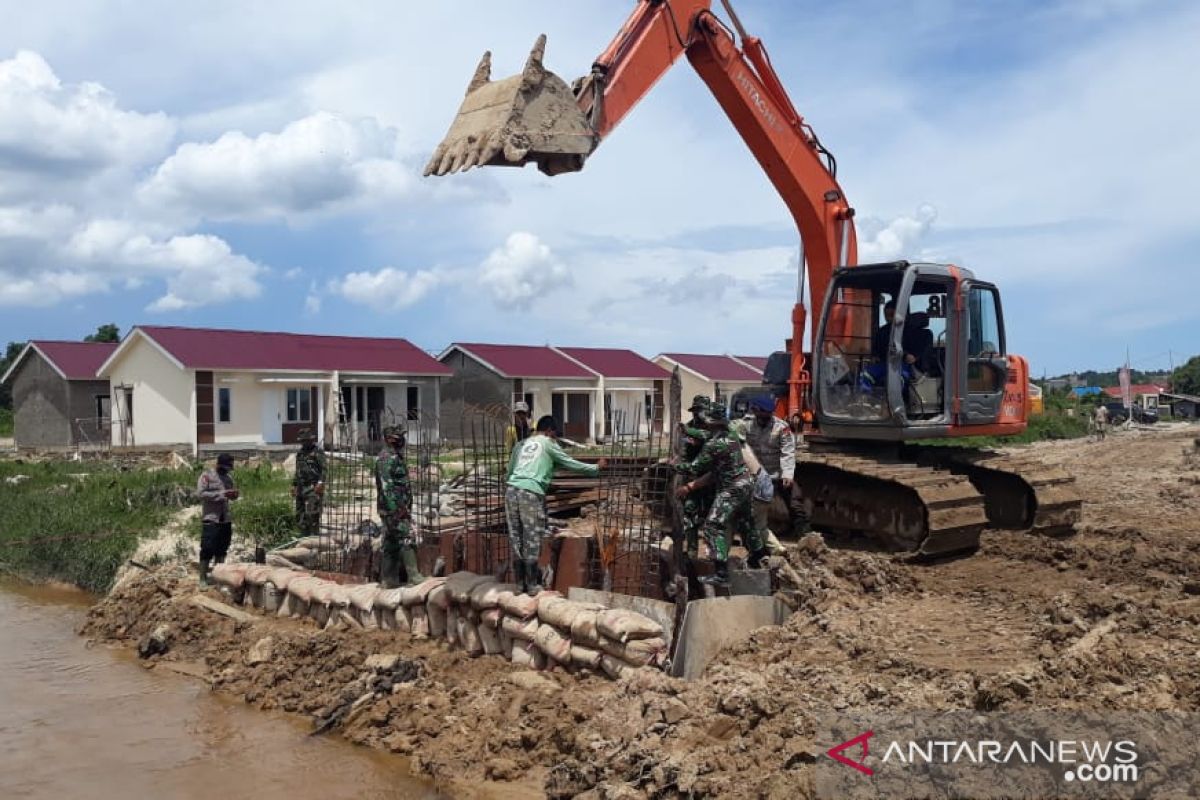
(259, 167)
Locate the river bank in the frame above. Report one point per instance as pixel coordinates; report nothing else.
(86, 723)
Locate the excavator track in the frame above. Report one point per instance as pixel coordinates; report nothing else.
(1020, 492)
(903, 505)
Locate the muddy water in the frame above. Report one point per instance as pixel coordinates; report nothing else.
(91, 723)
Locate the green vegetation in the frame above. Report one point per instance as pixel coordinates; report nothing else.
(1186, 379)
(104, 333)
(80, 521)
(6, 422)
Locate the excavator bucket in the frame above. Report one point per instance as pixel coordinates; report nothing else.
(531, 117)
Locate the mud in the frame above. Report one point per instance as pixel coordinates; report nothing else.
(1106, 619)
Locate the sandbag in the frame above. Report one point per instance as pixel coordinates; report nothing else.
(340, 597)
(491, 618)
(521, 606)
(297, 555)
(527, 654)
(420, 623)
(636, 652)
(506, 643)
(311, 542)
(487, 595)
(583, 629)
(385, 618)
(304, 587)
(363, 597)
(231, 575)
(270, 597)
(258, 574)
(553, 643)
(613, 667)
(622, 625)
(452, 625)
(523, 629)
(468, 637)
(438, 596)
(490, 638)
(404, 618)
(585, 656)
(323, 592)
(460, 585)
(419, 594)
(561, 612)
(437, 619)
(388, 598)
(282, 577)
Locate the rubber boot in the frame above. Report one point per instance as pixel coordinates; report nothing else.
(755, 560)
(533, 576)
(260, 555)
(389, 570)
(519, 574)
(204, 564)
(720, 576)
(408, 554)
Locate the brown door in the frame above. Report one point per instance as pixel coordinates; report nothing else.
(205, 419)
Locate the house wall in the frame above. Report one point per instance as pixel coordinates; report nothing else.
(41, 413)
(690, 384)
(472, 384)
(629, 407)
(162, 396)
(245, 424)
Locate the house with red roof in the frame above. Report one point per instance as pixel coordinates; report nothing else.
(57, 399)
(210, 388)
(716, 377)
(593, 392)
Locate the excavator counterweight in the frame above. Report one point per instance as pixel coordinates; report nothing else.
(530, 117)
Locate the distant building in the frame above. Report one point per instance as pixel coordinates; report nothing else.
(1145, 395)
(57, 399)
(717, 377)
(208, 388)
(1086, 391)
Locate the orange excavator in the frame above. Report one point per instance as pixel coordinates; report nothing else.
(902, 351)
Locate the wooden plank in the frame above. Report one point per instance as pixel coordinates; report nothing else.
(208, 604)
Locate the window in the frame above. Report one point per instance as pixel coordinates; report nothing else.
(414, 403)
(299, 405)
(224, 403)
(103, 406)
(985, 338)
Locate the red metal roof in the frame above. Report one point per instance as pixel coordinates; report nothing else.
(77, 360)
(616, 363)
(758, 362)
(1135, 389)
(524, 361)
(206, 348)
(716, 368)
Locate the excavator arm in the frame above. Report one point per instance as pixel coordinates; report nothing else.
(535, 117)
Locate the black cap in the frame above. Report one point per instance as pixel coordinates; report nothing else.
(224, 460)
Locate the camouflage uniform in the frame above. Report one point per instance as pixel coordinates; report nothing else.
(722, 455)
(310, 473)
(525, 513)
(394, 502)
(696, 505)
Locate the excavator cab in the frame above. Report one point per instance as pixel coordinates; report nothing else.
(912, 351)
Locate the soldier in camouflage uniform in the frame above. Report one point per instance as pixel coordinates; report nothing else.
(722, 456)
(394, 501)
(308, 485)
(696, 505)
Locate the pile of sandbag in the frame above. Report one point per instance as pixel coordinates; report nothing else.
(473, 612)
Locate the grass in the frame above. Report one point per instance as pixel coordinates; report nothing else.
(6, 422)
(80, 521)
(1049, 426)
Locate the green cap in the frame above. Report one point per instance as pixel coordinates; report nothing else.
(306, 435)
(394, 431)
(701, 403)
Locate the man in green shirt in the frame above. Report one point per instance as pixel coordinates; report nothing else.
(530, 468)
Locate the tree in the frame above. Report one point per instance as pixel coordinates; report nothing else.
(1186, 379)
(10, 355)
(105, 333)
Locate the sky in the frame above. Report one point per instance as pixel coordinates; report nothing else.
(258, 166)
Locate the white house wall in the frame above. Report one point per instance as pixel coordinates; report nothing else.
(628, 398)
(162, 396)
(245, 424)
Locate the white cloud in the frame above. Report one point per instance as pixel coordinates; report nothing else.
(897, 239)
(314, 164)
(51, 132)
(521, 270)
(387, 289)
(312, 301)
(45, 289)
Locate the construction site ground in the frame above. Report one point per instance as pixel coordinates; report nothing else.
(1106, 619)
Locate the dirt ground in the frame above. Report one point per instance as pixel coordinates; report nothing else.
(1108, 618)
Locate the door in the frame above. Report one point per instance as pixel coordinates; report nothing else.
(205, 421)
(272, 421)
(579, 417)
(987, 367)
